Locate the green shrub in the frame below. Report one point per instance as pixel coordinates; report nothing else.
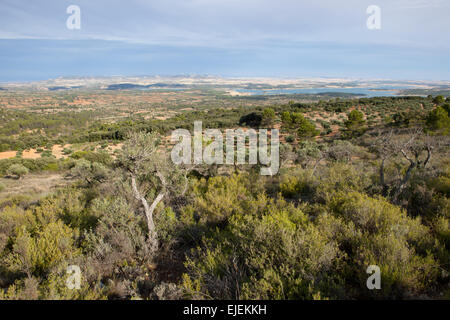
(218, 198)
(438, 119)
(67, 151)
(47, 153)
(268, 116)
(272, 256)
(290, 139)
(305, 128)
(386, 237)
(297, 184)
(39, 253)
(102, 157)
(355, 123)
(17, 170)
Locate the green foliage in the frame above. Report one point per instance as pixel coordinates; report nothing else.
(101, 157)
(438, 119)
(297, 185)
(447, 106)
(305, 128)
(260, 256)
(67, 151)
(33, 165)
(17, 170)
(309, 232)
(253, 119)
(388, 238)
(438, 100)
(286, 118)
(46, 153)
(290, 139)
(268, 116)
(282, 254)
(355, 123)
(42, 251)
(117, 242)
(89, 172)
(217, 198)
(299, 124)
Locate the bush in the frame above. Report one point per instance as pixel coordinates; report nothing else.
(272, 256)
(41, 252)
(67, 151)
(438, 119)
(252, 120)
(297, 184)
(355, 123)
(268, 116)
(305, 128)
(17, 170)
(89, 172)
(438, 100)
(290, 139)
(386, 237)
(118, 241)
(280, 253)
(218, 198)
(102, 157)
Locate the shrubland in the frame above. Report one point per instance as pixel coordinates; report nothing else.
(373, 193)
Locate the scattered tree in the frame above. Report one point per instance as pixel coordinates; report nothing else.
(17, 170)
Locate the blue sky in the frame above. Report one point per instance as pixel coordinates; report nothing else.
(245, 38)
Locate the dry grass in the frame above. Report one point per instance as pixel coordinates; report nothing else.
(38, 185)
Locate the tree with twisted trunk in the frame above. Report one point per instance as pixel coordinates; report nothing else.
(146, 163)
(415, 147)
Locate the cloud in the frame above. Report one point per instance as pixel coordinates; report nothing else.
(224, 23)
(420, 4)
(262, 33)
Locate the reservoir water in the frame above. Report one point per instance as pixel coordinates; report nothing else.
(366, 92)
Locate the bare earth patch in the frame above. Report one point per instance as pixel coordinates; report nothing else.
(7, 154)
(33, 154)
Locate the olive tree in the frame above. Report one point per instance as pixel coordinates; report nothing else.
(151, 173)
(413, 146)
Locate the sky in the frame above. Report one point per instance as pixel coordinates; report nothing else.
(231, 38)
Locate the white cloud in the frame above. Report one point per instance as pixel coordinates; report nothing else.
(419, 4)
(228, 23)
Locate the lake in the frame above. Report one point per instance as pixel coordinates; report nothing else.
(366, 92)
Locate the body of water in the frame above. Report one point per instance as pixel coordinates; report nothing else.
(366, 92)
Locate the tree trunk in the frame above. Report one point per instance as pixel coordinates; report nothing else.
(148, 209)
(412, 165)
(385, 188)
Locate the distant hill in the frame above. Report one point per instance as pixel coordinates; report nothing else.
(425, 92)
